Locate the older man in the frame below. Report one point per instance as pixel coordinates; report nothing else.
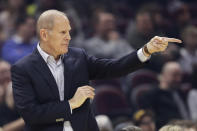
(165, 99)
(51, 85)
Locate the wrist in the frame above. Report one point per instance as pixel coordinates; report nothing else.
(72, 104)
(146, 51)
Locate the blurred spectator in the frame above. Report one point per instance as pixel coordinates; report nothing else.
(156, 11)
(145, 120)
(171, 54)
(161, 27)
(76, 33)
(2, 37)
(7, 111)
(157, 61)
(2, 94)
(5, 78)
(106, 41)
(192, 96)
(104, 123)
(180, 17)
(14, 9)
(165, 100)
(5, 75)
(10, 119)
(171, 128)
(22, 43)
(142, 30)
(189, 52)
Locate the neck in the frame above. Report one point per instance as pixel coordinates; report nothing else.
(49, 51)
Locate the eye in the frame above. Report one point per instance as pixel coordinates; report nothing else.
(63, 32)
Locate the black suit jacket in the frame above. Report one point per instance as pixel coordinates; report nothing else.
(36, 93)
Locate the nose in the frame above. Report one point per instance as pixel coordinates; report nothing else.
(68, 37)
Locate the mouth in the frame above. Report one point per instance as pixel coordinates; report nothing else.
(65, 45)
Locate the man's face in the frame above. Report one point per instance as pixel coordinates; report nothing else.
(191, 40)
(28, 29)
(173, 77)
(144, 24)
(106, 23)
(59, 36)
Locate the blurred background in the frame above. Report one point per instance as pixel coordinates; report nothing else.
(164, 91)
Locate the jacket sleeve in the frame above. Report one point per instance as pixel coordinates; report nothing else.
(27, 104)
(106, 68)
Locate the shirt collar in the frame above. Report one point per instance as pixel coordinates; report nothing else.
(45, 55)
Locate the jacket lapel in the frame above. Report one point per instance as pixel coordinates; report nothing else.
(44, 70)
(67, 74)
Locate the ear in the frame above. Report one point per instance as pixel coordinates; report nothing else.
(44, 34)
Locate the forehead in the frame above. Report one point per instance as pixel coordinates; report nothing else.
(175, 69)
(61, 22)
(4, 65)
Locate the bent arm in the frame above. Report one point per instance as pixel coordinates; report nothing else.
(28, 105)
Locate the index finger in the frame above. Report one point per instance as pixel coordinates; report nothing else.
(172, 40)
(88, 87)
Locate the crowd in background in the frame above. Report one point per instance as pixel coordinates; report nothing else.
(163, 92)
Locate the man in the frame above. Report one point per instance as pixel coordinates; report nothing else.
(189, 52)
(106, 41)
(10, 119)
(5, 74)
(165, 100)
(50, 86)
(22, 42)
(141, 30)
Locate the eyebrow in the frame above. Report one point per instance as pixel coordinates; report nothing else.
(65, 30)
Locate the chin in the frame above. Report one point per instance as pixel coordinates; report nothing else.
(65, 51)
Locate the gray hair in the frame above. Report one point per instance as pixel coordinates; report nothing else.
(46, 20)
